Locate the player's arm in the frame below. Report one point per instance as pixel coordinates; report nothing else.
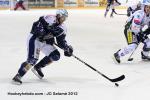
(39, 27)
(129, 11)
(147, 31)
(62, 43)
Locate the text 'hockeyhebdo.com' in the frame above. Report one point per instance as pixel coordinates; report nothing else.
(42, 93)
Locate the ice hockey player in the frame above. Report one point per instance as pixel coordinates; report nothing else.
(44, 33)
(110, 5)
(19, 4)
(127, 32)
(133, 8)
(136, 23)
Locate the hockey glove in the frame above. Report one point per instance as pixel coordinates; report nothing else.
(68, 51)
(128, 14)
(129, 10)
(147, 31)
(141, 37)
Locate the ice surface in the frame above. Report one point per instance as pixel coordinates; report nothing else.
(94, 39)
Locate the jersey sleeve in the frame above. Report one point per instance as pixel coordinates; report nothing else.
(61, 41)
(61, 38)
(50, 19)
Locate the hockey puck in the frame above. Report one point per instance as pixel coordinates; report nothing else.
(130, 59)
(116, 84)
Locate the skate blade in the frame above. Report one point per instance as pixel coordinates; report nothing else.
(34, 71)
(15, 82)
(115, 61)
(146, 60)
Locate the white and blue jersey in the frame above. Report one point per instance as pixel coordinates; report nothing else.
(139, 20)
(43, 35)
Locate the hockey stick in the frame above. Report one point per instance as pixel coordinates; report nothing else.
(130, 59)
(119, 14)
(111, 80)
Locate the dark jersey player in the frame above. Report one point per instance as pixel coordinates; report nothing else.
(110, 5)
(45, 32)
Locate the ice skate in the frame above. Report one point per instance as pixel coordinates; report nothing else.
(105, 14)
(17, 79)
(145, 57)
(38, 72)
(111, 15)
(116, 57)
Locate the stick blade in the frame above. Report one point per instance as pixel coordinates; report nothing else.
(118, 79)
(130, 59)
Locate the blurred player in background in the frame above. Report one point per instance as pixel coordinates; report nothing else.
(19, 4)
(110, 5)
(45, 32)
(136, 24)
(133, 8)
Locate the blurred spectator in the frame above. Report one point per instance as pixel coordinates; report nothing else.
(19, 4)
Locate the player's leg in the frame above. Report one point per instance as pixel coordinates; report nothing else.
(113, 4)
(122, 52)
(130, 48)
(112, 10)
(52, 54)
(146, 50)
(16, 6)
(33, 54)
(107, 8)
(22, 6)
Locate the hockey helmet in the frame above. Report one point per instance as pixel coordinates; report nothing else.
(146, 2)
(62, 12)
(139, 4)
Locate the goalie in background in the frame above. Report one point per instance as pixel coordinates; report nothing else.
(19, 4)
(110, 5)
(133, 8)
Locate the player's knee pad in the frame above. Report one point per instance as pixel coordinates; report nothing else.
(55, 55)
(25, 66)
(32, 61)
(131, 47)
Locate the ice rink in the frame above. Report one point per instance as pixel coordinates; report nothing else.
(94, 39)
